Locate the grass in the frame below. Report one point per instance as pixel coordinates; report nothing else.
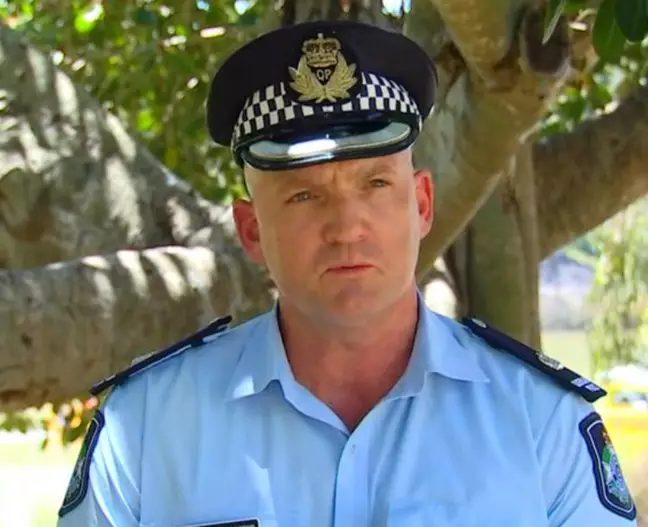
(27, 453)
(32, 482)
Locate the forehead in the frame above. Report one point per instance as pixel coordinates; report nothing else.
(331, 172)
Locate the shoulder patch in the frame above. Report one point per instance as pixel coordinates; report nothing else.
(148, 361)
(80, 479)
(610, 484)
(567, 378)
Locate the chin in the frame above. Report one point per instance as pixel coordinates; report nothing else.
(356, 302)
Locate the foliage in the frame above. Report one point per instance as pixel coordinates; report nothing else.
(615, 22)
(619, 296)
(65, 422)
(617, 31)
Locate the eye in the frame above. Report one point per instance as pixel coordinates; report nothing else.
(300, 196)
(378, 182)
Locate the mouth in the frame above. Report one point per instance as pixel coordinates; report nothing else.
(349, 268)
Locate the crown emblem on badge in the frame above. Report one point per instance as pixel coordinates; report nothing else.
(323, 73)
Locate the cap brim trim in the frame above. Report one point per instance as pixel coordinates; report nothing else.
(268, 154)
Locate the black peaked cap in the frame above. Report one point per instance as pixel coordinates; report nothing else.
(267, 61)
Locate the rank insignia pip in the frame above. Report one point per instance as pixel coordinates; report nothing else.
(610, 483)
(80, 479)
(323, 73)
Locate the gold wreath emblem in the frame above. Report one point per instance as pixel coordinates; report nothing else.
(337, 87)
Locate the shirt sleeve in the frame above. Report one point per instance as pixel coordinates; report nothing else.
(582, 478)
(104, 486)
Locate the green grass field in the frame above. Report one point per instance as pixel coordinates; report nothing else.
(33, 482)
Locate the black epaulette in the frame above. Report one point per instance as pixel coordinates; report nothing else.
(558, 372)
(139, 365)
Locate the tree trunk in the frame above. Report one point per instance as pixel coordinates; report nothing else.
(367, 11)
(502, 258)
(485, 189)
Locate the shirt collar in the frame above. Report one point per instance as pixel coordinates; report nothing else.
(263, 359)
(438, 349)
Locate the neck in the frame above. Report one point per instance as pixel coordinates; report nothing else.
(350, 367)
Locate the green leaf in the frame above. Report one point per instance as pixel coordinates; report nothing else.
(599, 95)
(632, 18)
(607, 37)
(573, 7)
(552, 15)
(144, 17)
(145, 119)
(87, 18)
(27, 8)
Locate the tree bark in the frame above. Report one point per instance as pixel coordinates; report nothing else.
(74, 183)
(587, 175)
(502, 260)
(368, 11)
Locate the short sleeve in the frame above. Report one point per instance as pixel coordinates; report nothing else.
(104, 486)
(582, 477)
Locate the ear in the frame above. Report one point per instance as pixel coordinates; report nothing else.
(424, 200)
(247, 227)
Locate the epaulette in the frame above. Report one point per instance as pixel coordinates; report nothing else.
(139, 365)
(567, 378)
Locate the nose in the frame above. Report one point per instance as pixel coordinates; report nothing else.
(346, 221)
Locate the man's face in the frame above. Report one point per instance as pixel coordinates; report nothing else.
(339, 239)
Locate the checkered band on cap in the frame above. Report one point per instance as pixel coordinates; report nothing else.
(272, 105)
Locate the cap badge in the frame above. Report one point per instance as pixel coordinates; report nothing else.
(323, 73)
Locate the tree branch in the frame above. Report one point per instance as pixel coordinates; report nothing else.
(481, 31)
(488, 109)
(585, 176)
(96, 314)
(73, 182)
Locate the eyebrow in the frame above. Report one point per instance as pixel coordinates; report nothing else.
(290, 179)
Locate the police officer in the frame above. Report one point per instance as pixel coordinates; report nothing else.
(349, 403)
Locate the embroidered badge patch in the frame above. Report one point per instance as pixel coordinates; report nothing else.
(78, 486)
(610, 484)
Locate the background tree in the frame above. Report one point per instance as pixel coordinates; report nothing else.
(619, 326)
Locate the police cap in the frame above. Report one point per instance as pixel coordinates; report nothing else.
(320, 91)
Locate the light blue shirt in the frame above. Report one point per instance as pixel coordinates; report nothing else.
(469, 436)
